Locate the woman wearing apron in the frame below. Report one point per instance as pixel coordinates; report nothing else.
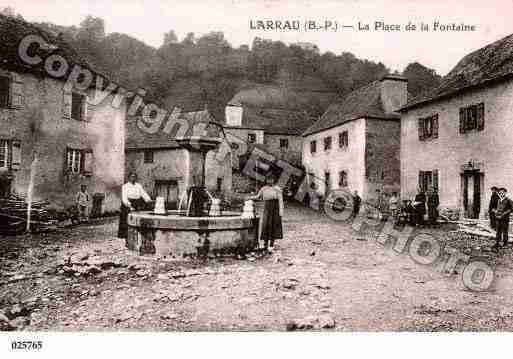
(271, 225)
(133, 198)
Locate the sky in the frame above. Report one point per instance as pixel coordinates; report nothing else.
(148, 20)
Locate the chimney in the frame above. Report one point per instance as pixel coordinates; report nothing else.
(233, 114)
(394, 92)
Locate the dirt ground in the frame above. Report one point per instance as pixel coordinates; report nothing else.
(323, 276)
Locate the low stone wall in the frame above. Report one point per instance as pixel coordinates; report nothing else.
(177, 237)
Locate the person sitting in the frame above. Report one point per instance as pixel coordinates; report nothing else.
(133, 198)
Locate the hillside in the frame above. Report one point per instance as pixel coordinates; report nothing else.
(195, 73)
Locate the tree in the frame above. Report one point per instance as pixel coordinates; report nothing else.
(189, 39)
(420, 78)
(91, 29)
(170, 37)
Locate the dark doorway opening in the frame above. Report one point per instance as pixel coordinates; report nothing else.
(471, 191)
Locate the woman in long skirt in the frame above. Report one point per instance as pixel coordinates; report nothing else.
(271, 225)
(133, 198)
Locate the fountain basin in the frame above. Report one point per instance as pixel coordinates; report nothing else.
(175, 236)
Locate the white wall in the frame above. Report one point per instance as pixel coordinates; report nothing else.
(351, 160)
(493, 146)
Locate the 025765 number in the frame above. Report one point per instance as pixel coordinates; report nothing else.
(27, 345)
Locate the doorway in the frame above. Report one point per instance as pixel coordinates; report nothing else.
(471, 182)
(5, 187)
(169, 190)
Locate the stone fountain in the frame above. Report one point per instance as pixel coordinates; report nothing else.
(193, 229)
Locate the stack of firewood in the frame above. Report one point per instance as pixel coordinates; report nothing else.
(13, 215)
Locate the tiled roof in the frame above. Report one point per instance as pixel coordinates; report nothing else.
(362, 102)
(139, 139)
(490, 63)
(275, 121)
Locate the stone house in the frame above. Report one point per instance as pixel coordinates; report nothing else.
(162, 165)
(53, 134)
(278, 130)
(355, 144)
(458, 137)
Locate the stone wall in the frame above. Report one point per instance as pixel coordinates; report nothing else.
(382, 164)
(38, 123)
(171, 165)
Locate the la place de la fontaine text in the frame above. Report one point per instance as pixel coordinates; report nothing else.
(379, 25)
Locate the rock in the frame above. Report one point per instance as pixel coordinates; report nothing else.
(290, 283)
(169, 316)
(92, 270)
(17, 311)
(17, 278)
(20, 322)
(162, 276)
(326, 322)
(124, 317)
(5, 323)
(312, 322)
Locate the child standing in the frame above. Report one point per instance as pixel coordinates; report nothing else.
(82, 200)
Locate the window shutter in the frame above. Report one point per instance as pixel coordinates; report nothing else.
(421, 129)
(88, 162)
(480, 116)
(435, 180)
(68, 161)
(462, 119)
(66, 104)
(16, 155)
(16, 91)
(435, 126)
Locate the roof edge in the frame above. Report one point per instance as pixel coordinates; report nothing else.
(451, 94)
(391, 117)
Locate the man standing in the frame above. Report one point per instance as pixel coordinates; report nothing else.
(356, 204)
(494, 200)
(432, 203)
(420, 207)
(502, 213)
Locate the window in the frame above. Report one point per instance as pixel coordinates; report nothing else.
(428, 127)
(313, 146)
(5, 89)
(472, 118)
(343, 139)
(79, 161)
(342, 179)
(78, 104)
(327, 143)
(428, 180)
(251, 138)
(284, 143)
(10, 154)
(4, 154)
(219, 186)
(148, 156)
